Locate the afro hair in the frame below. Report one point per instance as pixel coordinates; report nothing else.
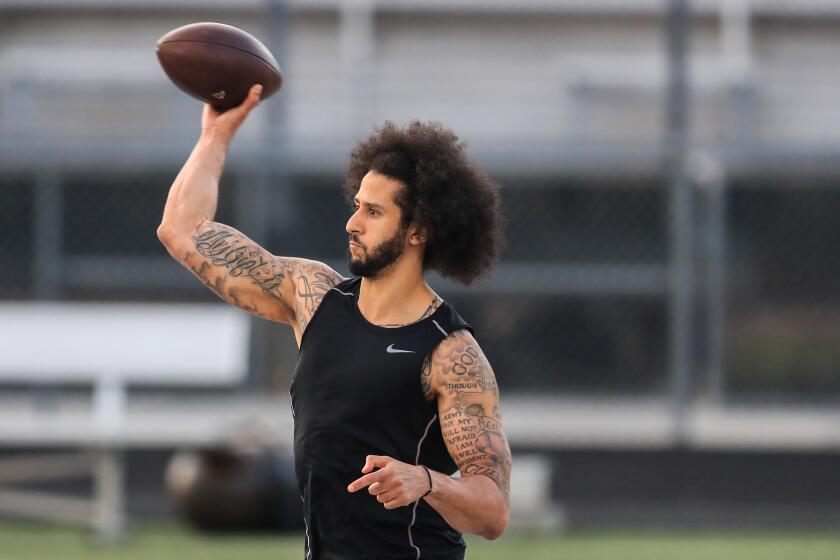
(444, 192)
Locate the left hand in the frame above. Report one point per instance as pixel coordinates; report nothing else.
(395, 484)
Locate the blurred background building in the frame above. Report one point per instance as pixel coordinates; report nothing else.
(665, 321)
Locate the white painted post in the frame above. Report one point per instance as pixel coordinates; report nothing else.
(109, 411)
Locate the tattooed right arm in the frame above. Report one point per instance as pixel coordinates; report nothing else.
(238, 270)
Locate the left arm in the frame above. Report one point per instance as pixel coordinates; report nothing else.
(460, 378)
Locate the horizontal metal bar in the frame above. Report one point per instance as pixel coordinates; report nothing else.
(52, 466)
(126, 272)
(628, 165)
(621, 422)
(114, 153)
(531, 277)
(564, 421)
(47, 506)
(570, 280)
(524, 7)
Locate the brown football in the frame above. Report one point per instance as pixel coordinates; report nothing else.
(217, 63)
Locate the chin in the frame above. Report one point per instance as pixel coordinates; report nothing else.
(356, 267)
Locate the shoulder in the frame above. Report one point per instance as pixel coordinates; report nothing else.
(456, 342)
(459, 353)
(449, 322)
(312, 280)
(457, 361)
(309, 268)
(307, 272)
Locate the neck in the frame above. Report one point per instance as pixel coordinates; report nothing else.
(398, 295)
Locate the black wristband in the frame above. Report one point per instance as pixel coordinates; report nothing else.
(429, 474)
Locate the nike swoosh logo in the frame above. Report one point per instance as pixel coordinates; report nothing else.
(392, 350)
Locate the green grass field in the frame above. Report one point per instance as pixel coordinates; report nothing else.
(37, 542)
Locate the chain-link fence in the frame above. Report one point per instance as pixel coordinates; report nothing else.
(783, 324)
(581, 301)
(600, 322)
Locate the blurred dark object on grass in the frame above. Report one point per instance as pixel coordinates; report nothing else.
(235, 490)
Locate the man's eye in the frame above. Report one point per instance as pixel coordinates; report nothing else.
(372, 212)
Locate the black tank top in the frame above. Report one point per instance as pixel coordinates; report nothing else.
(357, 392)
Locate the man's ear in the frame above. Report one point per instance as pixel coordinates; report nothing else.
(418, 235)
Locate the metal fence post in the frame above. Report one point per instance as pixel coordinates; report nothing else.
(676, 137)
(265, 175)
(47, 226)
(711, 181)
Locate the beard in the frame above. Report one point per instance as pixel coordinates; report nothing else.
(384, 254)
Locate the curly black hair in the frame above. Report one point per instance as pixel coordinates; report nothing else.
(444, 192)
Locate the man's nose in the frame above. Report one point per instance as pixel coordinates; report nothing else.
(349, 227)
(352, 224)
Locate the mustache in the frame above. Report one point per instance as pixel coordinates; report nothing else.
(355, 239)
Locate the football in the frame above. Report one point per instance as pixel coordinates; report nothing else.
(217, 63)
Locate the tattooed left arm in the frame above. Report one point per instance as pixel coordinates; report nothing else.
(459, 376)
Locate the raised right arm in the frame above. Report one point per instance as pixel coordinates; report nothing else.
(236, 268)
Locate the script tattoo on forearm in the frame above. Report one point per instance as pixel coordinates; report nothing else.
(227, 248)
(471, 426)
(228, 255)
